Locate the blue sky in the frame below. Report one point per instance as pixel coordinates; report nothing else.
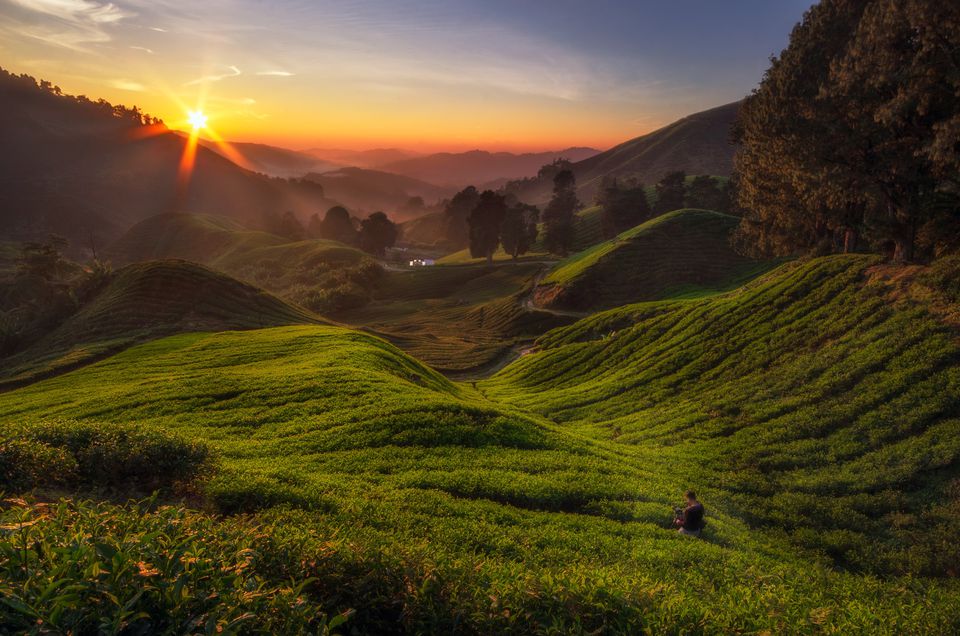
(430, 74)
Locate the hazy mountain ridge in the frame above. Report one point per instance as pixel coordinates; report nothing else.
(477, 167)
(80, 170)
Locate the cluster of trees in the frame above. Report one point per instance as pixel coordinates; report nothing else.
(486, 220)
(373, 234)
(854, 134)
(625, 203)
(28, 83)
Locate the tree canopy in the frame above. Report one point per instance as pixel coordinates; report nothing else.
(560, 214)
(377, 233)
(624, 204)
(519, 229)
(854, 131)
(485, 220)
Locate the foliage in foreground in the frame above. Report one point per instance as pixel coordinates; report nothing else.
(81, 567)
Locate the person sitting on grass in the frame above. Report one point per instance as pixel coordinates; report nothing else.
(690, 517)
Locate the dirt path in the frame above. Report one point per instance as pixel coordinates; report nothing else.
(527, 301)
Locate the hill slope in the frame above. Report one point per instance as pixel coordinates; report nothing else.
(819, 402)
(682, 252)
(543, 494)
(147, 301)
(273, 160)
(82, 169)
(697, 144)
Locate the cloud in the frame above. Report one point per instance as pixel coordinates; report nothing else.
(157, 29)
(69, 23)
(127, 85)
(142, 48)
(276, 73)
(232, 71)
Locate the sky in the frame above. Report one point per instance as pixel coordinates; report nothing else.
(424, 75)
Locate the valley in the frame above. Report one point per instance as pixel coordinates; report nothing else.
(460, 318)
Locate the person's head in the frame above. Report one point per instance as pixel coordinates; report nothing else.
(691, 496)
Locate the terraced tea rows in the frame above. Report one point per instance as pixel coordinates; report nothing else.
(807, 400)
(685, 252)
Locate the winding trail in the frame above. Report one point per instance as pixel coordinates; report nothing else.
(519, 349)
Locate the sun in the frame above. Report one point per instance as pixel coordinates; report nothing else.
(197, 119)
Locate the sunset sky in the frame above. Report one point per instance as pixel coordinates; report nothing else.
(424, 75)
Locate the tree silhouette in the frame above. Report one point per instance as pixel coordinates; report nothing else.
(624, 204)
(377, 233)
(704, 192)
(671, 191)
(484, 221)
(518, 232)
(455, 213)
(560, 213)
(337, 226)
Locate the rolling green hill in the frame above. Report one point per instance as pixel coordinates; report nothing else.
(146, 301)
(819, 402)
(537, 501)
(291, 269)
(685, 252)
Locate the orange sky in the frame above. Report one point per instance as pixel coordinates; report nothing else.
(418, 74)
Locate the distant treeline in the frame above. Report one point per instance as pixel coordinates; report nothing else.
(29, 84)
(852, 139)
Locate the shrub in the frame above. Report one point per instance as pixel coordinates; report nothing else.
(113, 457)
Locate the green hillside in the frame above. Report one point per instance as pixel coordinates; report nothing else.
(819, 402)
(225, 245)
(147, 301)
(685, 252)
(538, 501)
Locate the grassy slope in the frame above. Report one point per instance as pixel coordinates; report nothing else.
(260, 257)
(497, 519)
(806, 402)
(682, 252)
(146, 301)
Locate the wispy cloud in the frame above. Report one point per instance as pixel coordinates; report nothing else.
(232, 71)
(127, 85)
(157, 29)
(275, 73)
(142, 48)
(69, 23)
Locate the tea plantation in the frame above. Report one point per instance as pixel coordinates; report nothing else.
(340, 484)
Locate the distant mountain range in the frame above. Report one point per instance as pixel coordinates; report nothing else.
(273, 160)
(479, 167)
(697, 144)
(364, 191)
(360, 158)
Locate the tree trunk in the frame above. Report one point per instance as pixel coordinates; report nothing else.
(489, 258)
(902, 250)
(850, 238)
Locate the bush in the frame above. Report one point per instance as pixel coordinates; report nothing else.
(100, 456)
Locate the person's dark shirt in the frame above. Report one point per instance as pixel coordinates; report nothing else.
(693, 517)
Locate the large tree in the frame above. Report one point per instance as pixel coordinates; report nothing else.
(484, 221)
(671, 191)
(337, 226)
(847, 130)
(624, 203)
(377, 233)
(455, 213)
(560, 214)
(519, 229)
